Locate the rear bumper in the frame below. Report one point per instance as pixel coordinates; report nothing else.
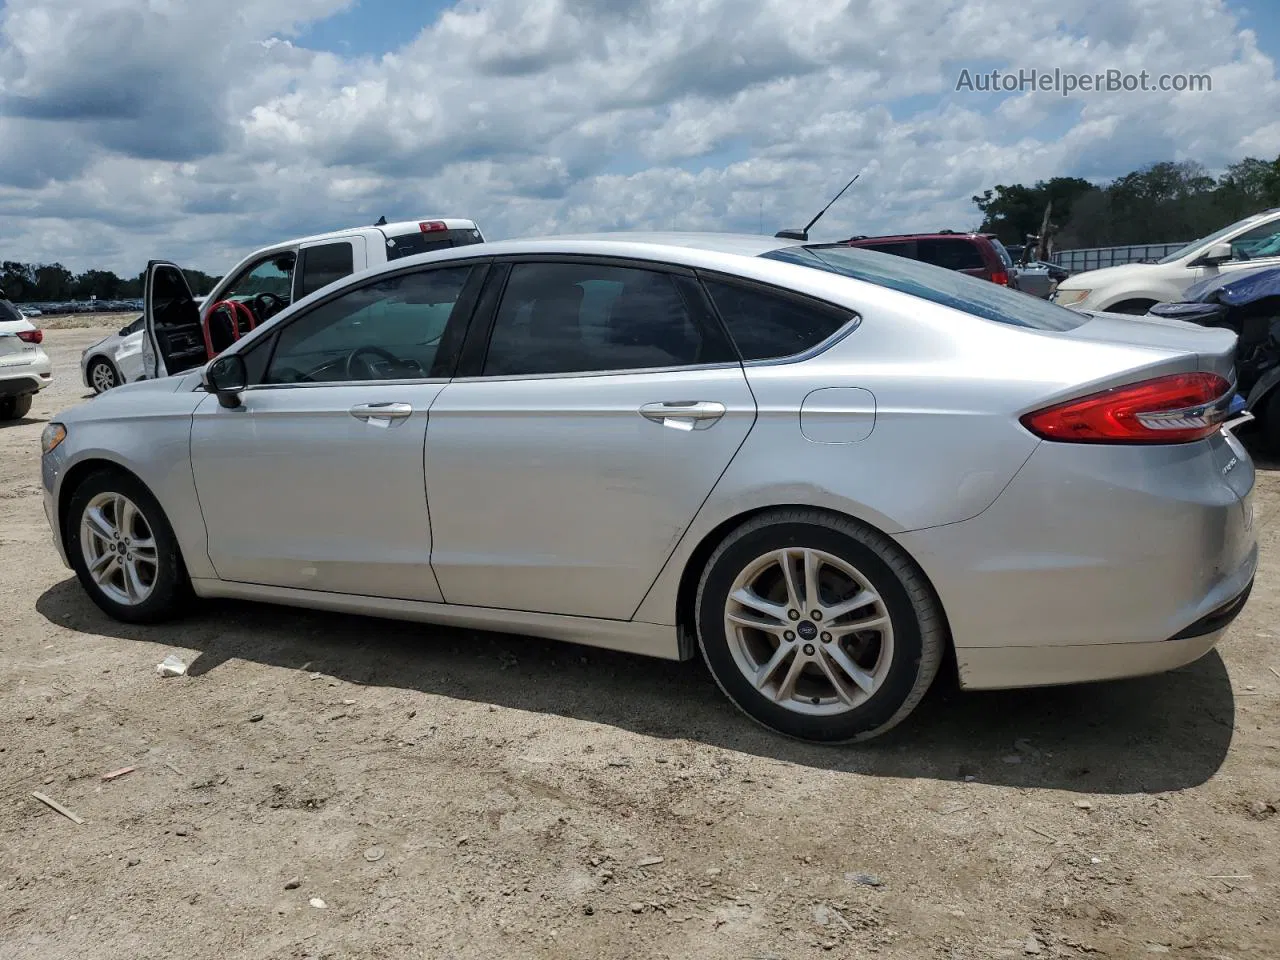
(30, 373)
(1002, 668)
(1096, 563)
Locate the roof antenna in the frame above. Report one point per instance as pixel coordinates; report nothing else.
(803, 234)
(382, 222)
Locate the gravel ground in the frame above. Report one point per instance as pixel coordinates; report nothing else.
(330, 786)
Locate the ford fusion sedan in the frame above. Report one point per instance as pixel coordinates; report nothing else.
(821, 467)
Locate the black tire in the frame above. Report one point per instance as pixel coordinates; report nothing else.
(170, 587)
(1134, 307)
(111, 375)
(918, 626)
(15, 408)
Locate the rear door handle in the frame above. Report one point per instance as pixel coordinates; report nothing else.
(684, 414)
(381, 414)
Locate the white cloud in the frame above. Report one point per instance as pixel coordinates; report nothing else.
(131, 129)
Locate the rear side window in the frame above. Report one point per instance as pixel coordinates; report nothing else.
(899, 248)
(952, 254)
(981, 298)
(324, 265)
(766, 326)
(590, 317)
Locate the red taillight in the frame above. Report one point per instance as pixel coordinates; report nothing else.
(31, 336)
(433, 226)
(1173, 409)
(1001, 278)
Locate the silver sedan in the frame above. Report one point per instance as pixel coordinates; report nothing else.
(824, 468)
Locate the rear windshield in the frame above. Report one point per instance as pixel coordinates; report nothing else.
(982, 298)
(8, 312)
(409, 244)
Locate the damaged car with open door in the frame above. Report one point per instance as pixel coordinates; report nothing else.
(181, 333)
(1248, 304)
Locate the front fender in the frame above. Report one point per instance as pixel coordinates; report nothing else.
(149, 436)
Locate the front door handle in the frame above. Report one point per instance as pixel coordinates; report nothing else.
(684, 414)
(381, 414)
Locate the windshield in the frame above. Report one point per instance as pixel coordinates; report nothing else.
(982, 298)
(1204, 241)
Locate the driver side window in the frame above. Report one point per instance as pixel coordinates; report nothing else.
(389, 330)
(273, 277)
(1262, 241)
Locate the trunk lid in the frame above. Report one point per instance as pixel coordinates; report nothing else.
(1213, 348)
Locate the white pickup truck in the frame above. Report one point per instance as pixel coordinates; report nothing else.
(180, 333)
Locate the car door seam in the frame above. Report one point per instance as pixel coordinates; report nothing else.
(675, 547)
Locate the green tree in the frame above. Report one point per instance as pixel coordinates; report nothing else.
(1013, 211)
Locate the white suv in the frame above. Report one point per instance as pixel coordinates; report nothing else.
(25, 369)
(1135, 287)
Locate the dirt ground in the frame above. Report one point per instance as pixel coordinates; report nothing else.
(336, 787)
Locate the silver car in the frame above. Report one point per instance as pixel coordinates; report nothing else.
(823, 467)
(113, 360)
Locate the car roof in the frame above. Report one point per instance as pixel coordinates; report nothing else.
(390, 229)
(926, 236)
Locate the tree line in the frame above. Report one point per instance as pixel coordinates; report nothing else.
(1164, 202)
(53, 283)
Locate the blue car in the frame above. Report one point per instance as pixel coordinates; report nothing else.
(1247, 303)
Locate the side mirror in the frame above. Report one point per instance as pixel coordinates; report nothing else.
(1218, 253)
(227, 376)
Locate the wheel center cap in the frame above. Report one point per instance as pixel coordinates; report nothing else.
(806, 630)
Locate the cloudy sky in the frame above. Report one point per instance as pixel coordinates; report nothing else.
(195, 131)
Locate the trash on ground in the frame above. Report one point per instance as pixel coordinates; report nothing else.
(172, 666)
(318, 903)
(117, 774)
(374, 854)
(54, 804)
(650, 861)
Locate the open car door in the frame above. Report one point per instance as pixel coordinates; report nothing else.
(172, 339)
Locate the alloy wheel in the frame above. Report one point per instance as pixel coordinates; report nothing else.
(119, 548)
(103, 376)
(809, 631)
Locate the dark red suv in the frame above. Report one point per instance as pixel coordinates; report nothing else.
(977, 254)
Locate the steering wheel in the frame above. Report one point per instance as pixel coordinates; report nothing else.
(267, 305)
(356, 356)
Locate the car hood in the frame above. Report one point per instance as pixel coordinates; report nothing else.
(1236, 289)
(1094, 278)
(96, 344)
(130, 399)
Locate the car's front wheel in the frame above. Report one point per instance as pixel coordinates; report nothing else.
(103, 376)
(817, 626)
(123, 549)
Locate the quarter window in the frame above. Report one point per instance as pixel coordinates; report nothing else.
(766, 326)
(389, 330)
(580, 318)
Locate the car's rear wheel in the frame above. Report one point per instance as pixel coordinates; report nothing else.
(103, 376)
(818, 627)
(123, 549)
(15, 408)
